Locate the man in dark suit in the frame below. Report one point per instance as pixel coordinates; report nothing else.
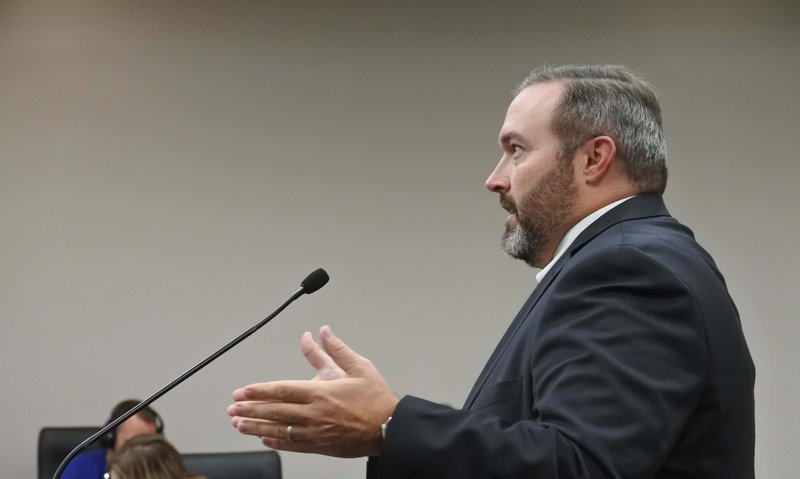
(627, 360)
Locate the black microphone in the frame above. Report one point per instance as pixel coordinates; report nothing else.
(314, 281)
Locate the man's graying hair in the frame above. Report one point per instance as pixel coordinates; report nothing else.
(609, 100)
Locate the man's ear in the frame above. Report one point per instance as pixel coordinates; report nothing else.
(599, 155)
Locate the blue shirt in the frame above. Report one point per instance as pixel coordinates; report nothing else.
(87, 465)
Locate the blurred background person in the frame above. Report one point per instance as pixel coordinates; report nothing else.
(93, 464)
(148, 457)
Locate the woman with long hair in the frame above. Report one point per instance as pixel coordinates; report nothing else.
(148, 457)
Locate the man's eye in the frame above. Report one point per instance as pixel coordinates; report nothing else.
(515, 148)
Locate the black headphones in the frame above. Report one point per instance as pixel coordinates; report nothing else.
(108, 439)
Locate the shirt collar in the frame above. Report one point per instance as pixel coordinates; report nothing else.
(574, 232)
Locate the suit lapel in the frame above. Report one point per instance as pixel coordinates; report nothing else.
(511, 332)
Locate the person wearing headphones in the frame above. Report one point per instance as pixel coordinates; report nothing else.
(93, 464)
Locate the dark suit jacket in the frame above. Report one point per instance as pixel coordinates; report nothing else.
(627, 361)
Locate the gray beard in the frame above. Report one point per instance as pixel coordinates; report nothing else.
(521, 243)
(539, 215)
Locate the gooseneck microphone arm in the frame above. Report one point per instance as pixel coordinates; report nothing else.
(314, 281)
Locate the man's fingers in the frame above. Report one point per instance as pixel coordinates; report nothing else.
(282, 413)
(267, 429)
(284, 391)
(304, 439)
(255, 427)
(320, 360)
(314, 354)
(342, 355)
(276, 435)
(297, 444)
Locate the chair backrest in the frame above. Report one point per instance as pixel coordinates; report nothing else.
(235, 465)
(56, 442)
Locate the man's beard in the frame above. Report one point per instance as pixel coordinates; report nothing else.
(540, 213)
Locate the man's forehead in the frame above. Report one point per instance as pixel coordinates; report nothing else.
(537, 97)
(532, 107)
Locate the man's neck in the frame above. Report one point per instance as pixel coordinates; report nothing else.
(575, 230)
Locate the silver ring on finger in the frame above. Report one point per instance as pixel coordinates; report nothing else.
(289, 433)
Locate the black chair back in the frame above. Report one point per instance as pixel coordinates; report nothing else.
(235, 465)
(56, 442)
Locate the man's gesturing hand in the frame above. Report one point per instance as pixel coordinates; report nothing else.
(338, 413)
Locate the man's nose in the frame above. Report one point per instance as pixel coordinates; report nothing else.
(498, 181)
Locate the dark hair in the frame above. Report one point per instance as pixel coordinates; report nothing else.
(146, 413)
(614, 101)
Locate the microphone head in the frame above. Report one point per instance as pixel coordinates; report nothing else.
(314, 281)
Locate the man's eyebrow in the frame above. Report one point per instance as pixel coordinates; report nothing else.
(506, 137)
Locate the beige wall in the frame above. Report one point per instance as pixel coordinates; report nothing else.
(169, 171)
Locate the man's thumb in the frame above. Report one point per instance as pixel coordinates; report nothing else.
(340, 352)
